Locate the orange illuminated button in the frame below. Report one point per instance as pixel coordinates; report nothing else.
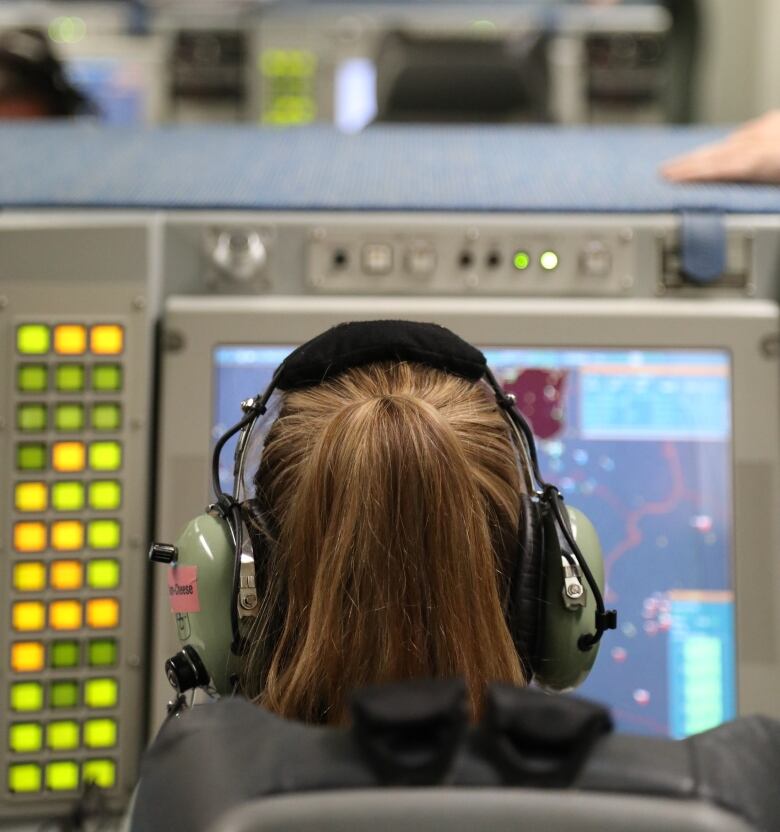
(27, 656)
(28, 616)
(70, 339)
(66, 574)
(107, 339)
(30, 537)
(65, 615)
(102, 613)
(68, 456)
(67, 535)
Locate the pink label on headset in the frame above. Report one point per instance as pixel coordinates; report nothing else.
(183, 589)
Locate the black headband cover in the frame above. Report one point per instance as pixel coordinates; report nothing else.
(365, 342)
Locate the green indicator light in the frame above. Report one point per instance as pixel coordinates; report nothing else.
(69, 378)
(100, 733)
(107, 378)
(106, 416)
(105, 456)
(62, 735)
(31, 417)
(100, 693)
(26, 697)
(64, 654)
(521, 260)
(62, 776)
(24, 777)
(100, 772)
(32, 378)
(64, 694)
(104, 534)
(33, 339)
(25, 737)
(549, 261)
(103, 574)
(69, 417)
(102, 653)
(31, 456)
(67, 496)
(105, 495)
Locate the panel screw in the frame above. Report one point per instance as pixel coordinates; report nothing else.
(626, 235)
(472, 234)
(134, 661)
(139, 302)
(3, 301)
(574, 590)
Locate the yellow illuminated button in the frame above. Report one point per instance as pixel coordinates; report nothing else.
(103, 574)
(101, 693)
(31, 417)
(64, 694)
(26, 697)
(62, 735)
(106, 416)
(66, 574)
(64, 654)
(105, 495)
(100, 772)
(32, 378)
(33, 339)
(62, 776)
(31, 456)
(106, 339)
(107, 378)
(102, 613)
(69, 417)
(24, 737)
(68, 456)
(65, 615)
(29, 576)
(24, 778)
(28, 616)
(30, 496)
(67, 496)
(102, 652)
(104, 534)
(30, 537)
(100, 733)
(105, 456)
(70, 339)
(69, 378)
(27, 656)
(67, 535)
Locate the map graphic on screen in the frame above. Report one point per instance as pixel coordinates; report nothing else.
(640, 440)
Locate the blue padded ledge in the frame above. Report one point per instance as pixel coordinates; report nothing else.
(383, 169)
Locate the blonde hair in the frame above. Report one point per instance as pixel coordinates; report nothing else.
(389, 498)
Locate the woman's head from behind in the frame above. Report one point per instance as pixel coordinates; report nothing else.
(388, 497)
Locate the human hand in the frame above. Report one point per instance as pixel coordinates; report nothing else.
(751, 154)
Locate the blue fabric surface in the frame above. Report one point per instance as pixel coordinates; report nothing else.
(386, 168)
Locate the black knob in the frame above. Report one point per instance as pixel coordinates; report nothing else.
(186, 671)
(163, 553)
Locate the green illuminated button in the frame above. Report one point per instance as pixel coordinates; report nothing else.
(106, 416)
(69, 417)
(33, 339)
(32, 378)
(67, 496)
(521, 260)
(31, 456)
(104, 534)
(69, 378)
(62, 776)
(102, 652)
(64, 654)
(549, 261)
(107, 378)
(100, 693)
(24, 737)
(105, 495)
(103, 574)
(31, 417)
(24, 777)
(64, 694)
(26, 697)
(100, 733)
(100, 772)
(105, 456)
(62, 735)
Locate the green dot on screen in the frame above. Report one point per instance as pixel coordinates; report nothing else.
(103, 574)
(69, 378)
(105, 456)
(101, 693)
(62, 776)
(102, 652)
(25, 737)
(69, 417)
(32, 378)
(105, 495)
(26, 697)
(549, 260)
(100, 772)
(67, 496)
(104, 534)
(24, 777)
(62, 735)
(64, 694)
(100, 733)
(33, 339)
(31, 417)
(521, 260)
(106, 416)
(31, 456)
(64, 654)
(107, 378)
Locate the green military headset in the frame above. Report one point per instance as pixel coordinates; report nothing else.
(555, 620)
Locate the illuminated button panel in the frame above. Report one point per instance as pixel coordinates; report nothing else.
(65, 573)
